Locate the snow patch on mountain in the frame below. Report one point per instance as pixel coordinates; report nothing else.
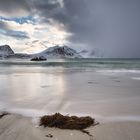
(55, 52)
(59, 52)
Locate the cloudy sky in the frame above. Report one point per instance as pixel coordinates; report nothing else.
(110, 26)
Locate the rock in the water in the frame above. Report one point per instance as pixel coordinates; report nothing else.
(38, 58)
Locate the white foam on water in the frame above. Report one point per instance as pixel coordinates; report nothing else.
(125, 118)
(35, 114)
(136, 78)
(118, 71)
(119, 118)
(27, 112)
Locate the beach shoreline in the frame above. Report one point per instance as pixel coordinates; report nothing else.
(101, 90)
(15, 127)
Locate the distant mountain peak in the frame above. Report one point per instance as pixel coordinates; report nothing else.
(60, 52)
(5, 50)
(55, 52)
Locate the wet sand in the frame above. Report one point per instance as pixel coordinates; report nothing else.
(110, 96)
(106, 96)
(17, 127)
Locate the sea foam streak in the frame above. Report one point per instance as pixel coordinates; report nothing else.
(136, 78)
(118, 71)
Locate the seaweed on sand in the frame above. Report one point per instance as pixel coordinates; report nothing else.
(66, 122)
(2, 114)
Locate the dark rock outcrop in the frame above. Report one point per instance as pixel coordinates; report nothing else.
(38, 58)
(6, 51)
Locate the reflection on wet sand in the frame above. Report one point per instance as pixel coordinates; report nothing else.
(71, 91)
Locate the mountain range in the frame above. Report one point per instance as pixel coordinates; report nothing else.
(52, 52)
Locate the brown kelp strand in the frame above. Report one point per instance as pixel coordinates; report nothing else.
(66, 122)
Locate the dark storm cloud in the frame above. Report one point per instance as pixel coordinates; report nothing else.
(6, 29)
(47, 9)
(14, 7)
(78, 19)
(2, 25)
(77, 16)
(14, 34)
(113, 26)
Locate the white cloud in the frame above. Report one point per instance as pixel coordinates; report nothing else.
(47, 35)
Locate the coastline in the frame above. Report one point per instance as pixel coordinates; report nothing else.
(14, 127)
(107, 93)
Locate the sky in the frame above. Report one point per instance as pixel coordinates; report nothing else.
(112, 27)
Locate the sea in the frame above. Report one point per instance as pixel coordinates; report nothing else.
(106, 89)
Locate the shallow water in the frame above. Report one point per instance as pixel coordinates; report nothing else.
(106, 89)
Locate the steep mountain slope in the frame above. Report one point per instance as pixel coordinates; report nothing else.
(6, 51)
(52, 52)
(59, 52)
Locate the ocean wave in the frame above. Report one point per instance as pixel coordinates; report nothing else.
(93, 63)
(136, 78)
(118, 71)
(36, 113)
(119, 118)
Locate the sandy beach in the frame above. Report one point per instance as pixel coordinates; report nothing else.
(17, 127)
(110, 95)
(69, 69)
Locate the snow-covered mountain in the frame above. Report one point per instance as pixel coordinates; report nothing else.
(52, 52)
(59, 52)
(6, 51)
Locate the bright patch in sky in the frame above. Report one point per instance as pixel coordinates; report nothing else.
(29, 34)
(24, 28)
